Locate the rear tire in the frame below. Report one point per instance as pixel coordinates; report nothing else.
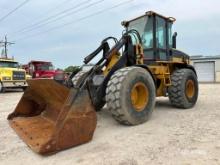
(130, 95)
(183, 93)
(2, 89)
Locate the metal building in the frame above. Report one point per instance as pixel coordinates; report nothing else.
(207, 67)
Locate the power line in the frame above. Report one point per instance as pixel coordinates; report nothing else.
(51, 20)
(12, 11)
(45, 13)
(57, 6)
(77, 20)
(5, 44)
(24, 29)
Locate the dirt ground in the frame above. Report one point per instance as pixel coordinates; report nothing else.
(172, 136)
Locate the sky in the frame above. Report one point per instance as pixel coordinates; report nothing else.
(197, 24)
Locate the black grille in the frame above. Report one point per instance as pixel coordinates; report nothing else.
(17, 75)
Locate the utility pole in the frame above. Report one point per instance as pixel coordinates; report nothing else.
(5, 44)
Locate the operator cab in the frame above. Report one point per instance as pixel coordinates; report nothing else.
(156, 35)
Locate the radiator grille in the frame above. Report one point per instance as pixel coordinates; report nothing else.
(18, 75)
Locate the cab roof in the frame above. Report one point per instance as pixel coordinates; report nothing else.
(40, 62)
(7, 59)
(149, 13)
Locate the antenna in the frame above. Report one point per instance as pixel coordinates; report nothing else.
(5, 44)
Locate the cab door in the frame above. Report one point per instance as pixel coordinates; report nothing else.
(161, 39)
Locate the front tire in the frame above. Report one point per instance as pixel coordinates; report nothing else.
(130, 95)
(183, 93)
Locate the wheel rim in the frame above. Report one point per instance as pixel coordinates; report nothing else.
(190, 88)
(139, 96)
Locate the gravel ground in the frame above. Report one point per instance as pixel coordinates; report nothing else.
(172, 136)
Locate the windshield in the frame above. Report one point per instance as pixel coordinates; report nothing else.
(8, 64)
(144, 26)
(46, 67)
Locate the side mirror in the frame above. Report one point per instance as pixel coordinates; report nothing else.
(174, 40)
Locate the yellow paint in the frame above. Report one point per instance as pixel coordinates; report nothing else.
(6, 73)
(177, 60)
(139, 96)
(160, 90)
(139, 54)
(162, 74)
(190, 89)
(114, 59)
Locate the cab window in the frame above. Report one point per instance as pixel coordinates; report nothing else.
(8, 64)
(161, 33)
(161, 42)
(144, 26)
(147, 37)
(170, 34)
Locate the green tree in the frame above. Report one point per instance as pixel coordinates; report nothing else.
(72, 69)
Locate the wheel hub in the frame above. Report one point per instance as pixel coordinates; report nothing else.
(190, 88)
(139, 96)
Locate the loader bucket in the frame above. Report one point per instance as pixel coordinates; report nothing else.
(48, 121)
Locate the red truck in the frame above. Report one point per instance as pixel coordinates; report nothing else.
(43, 69)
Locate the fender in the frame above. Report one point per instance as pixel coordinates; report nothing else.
(192, 68)
(187, 66)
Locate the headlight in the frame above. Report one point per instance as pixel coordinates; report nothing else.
(6, 78)
(27, 76)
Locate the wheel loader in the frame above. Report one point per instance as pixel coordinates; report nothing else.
(142, 65)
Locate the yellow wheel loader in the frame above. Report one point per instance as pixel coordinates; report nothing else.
(142, 65)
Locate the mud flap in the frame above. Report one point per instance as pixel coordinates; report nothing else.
(48, 121)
